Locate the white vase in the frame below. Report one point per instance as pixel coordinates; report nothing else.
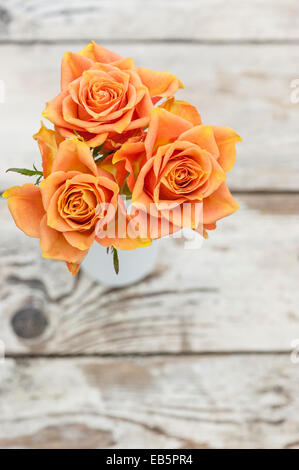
(134, 265)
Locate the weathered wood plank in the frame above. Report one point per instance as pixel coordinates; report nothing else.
(186, 402)
(245, 87)
(239, 292)
(136, 20)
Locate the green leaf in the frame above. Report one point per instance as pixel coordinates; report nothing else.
(115, 260)
(96, 150)
(25, 171)
(38, 180)
(100, 159)
(125, 190)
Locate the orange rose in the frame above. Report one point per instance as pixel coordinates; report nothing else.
(186, 163)
(130, 157)
(64, 211)
(104, 94)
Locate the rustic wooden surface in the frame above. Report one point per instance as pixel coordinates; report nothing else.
(250, 304)
(159, 402)
(198, 354)
(151, 20)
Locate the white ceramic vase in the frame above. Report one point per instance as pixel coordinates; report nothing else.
(134, 265)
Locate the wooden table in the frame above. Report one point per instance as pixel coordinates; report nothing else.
(198, 355)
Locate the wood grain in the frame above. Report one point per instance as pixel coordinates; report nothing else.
(239, 292)
(256, 20)
(198, 354)
(245, 87)
(183, 402)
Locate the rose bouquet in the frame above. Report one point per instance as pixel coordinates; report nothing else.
(120, 135)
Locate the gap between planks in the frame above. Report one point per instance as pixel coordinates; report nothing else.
(146, 355)
(205, 42)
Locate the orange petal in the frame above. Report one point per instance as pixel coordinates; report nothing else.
(53, 110)
(54, 245)
(48, 141)
(164, 128)
(50, 185)
(218, 205)
(139, 195)
(124, 64)
(74, 155)
(226, 139)
(117, 169)
(97, 53)
(73, 268)
(125, 243)
(54, 218)
(162, 84)
(96, 140)
(92, 140)
(138, 123)
(26, 207)
(183, 109)
(215, 180)
(132, 154)
(72, 67)
(143, 110)
(203, 136)
(81, 240)
(118, 126)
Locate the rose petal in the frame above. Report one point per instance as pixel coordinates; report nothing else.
(183, 109)
(226, 139)
(97, 53)
(73, 268)
(55, 246)
(80, 240)
(72, 67)
(26, 207)
(163, 84)
(218, 205)
(97, 140)
(203, 136)
(164, 128)
(53, 110)
(74, 155)
(124, 64)
(48, 141)
(216, 178)
(132, 154)
(138, 192)
(50, 185)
